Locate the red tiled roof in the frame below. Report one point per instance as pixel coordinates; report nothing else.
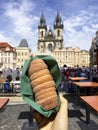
(4, 45)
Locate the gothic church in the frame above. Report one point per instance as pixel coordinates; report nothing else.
(47, 40)
(52, 43)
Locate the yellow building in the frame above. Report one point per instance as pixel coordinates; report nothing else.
(72, 57)
(85, 58)
(23, 53)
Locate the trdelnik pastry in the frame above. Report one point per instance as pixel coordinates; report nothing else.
(40, 80)
(42, 84)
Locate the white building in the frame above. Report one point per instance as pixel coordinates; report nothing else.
(7, 55)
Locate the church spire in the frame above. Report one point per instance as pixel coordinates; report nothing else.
(42, 22)
(58, 21)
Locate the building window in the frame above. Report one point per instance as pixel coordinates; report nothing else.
(41, 33)
(58, 33)
(50, 47)
(8, 60)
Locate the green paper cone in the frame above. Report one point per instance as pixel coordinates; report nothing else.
(26, 89)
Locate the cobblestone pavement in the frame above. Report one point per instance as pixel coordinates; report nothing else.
(15, 115)
(77, 115)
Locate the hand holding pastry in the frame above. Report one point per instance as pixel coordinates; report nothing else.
(57, 121)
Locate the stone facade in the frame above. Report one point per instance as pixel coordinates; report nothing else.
(85, 58)
(93, 51)
(72, 57)
(47, 40)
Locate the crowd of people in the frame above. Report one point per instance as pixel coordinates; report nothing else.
(10, 80)
(12, 76)
(87, 72)
(90, 73)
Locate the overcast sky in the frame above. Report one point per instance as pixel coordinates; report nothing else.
(19, 19)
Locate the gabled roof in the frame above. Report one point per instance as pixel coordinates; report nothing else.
(4, 45)
(23, 43)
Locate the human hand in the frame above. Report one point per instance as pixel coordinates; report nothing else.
(58, 121)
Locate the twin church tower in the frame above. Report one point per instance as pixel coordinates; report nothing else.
(47, 39)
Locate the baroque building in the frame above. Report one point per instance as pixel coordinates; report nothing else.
(85, 58)
(72, 57)
(7, 55)
(51, 42)
(14, 57)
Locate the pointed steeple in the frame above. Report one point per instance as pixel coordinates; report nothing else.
(42, 23)
(23, 43)
(58, 21)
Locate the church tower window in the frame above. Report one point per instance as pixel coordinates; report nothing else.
(58, 33)
(41, 33)
(50, 47)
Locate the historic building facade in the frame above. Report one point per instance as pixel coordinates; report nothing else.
(85, 58)
(47, 40)
(7, 55)
(23, 53)
(94, 51)
(50, 42)
(72, 57)
(14, 57)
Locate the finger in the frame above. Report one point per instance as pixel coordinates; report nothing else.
(62, 99)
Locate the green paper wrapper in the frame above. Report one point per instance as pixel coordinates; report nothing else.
(26, 88)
